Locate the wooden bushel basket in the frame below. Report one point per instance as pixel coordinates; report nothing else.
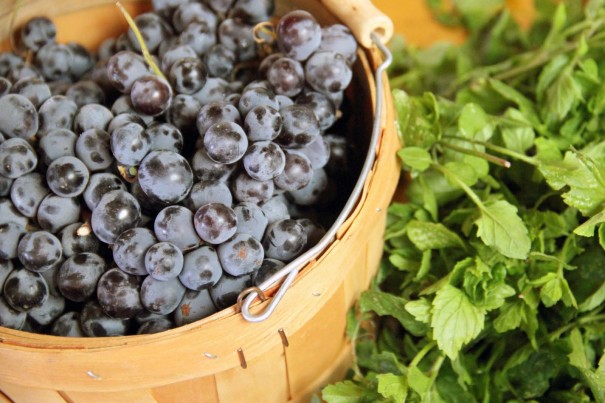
(287, 357)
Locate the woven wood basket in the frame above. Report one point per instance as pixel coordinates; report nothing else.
(289, 356)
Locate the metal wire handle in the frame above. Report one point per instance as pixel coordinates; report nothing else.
(289, 272)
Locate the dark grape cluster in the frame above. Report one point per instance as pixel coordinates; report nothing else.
(137, 196)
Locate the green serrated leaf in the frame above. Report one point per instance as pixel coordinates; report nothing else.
(414, 124)
(416, 158)
(500, 226)
(393, 386)
(420, 309)
(472, 120)
(383, 303)
(418, 381)
(343, 392)
(428, 235)
(560, 97)
(517, 137)
(459, 171)
(551, 292)
(510, 317)
(455, 320)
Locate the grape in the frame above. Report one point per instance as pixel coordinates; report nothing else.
(219, 60)
(81, 62)
(174, 224)
(174, 53)
(328, 72)
(323, 108)
(165, 8)
(215, 223)
(9, 213)
(250, 219)
(253, 97)
(161, 297)
(34, 89)
(225, 142)
(145, 316)
(300, 126)
(116, 212)
(95, 322)
(129, 250)
(194, 306)
(37, 32)
(57, 112)
(164, 261)
(165, 176)
(23, 72)
(253, 11)
(284, 240)
(155, 326)
(183, 112)
(275, 209)
(339, 160)
(216, 112)
(8, 62)
(76, 239)
(5, 86)
(123, 119)
(93, 148)
(201, 269)
(258, 84)
(240, 255)
(313, 230)
(188, 13)
(298, 35)
(27, 192)
(188, 75)
(124, 105)
(10, 234)
(17, 158)
(92, 116)
(286, 76)
(267, 269)
(264, 160)
(49, 311)
(340, 39)
(118, 294)
(313, 192)
(247, 189)
(57, 143)
(224, 294)
(297, 172)
(54, 61)
(215, 90)
(130, 144)
(67, 325)
(208, 192)
(5, 185)
(165, 137)
(263, 123)
(151, 95)
(67, 176)
(153, 30)
(19, 117)
(221, 7)
(207, 170)
(100, 184)
(39, 251)
(24, 290)
(318, 152)
(11, 318)
(237, 36)
(78, 276)
(123, 68)
(6, 266)
(56, 212)
(85, 92)
(199, 37)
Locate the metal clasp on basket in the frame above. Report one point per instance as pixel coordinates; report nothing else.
(289, 272)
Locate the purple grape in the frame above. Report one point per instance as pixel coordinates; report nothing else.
(183, 112)
(77, 238)
(263, 123)
(264, 160)
(48, 312)
(215, 90)
(165, 137)
(207, 170)
(9, 213)
(95, 322)
(201, 269)
(165, 176)
(225, 142)
(27, 192)
(54, 61)
(194, 306)
(161, 297)
(215, 223)
(67, 325)
(216, 112)
(67, 176)
(130, 144)
(57, 143)
(98, 185)
(313, 192)
(224, 294)
(155, 326)
(267, 269)
(78, 276)
(297, 172)
(219, 60)
(150, 95)
(123, 119)
(38, 32)
(247, 189)
(340, 39)
(153, 30)
(253, 11)
(237, 36)
(56, 212)
(324, 109)
(164, 261)
(286, 76)
(57, 112)
(328, 72)
(174, 224)
(240, 255)
(188, 75)
(298, 35)
(24, 290)
(253, 97)
(19, 117)
(129, 250)
(93, 148)
(92, 116)
(116, 212)
(82, 60)
(124, 68)
(118, 294)
(34, 89)
(318, 152)
(39, 251)
(284, 240)
(208, 192)
(300, 126)
(175, 53)
(250, 220)
(275, 209)
(11, 318)
(190, 12)
(10, 234)
(198, 36)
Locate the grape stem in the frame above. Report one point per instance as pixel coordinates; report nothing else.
(141, 41)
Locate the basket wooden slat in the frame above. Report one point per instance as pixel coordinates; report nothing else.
(175, 365)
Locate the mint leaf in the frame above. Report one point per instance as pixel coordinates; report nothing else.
(517, 137)
(384, 303)
(472, 121)
(455, 320)
(551, 292)
(415, 157)
(420, 310)
(500, 226)
(418, 381)
(393, 386)
(459, 171)
(343, 392)
(427, 235)
(413, 121)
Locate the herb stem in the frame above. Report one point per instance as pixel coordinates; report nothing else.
(498, 149)
(475, 153)
(552, 336)
(422, 353)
